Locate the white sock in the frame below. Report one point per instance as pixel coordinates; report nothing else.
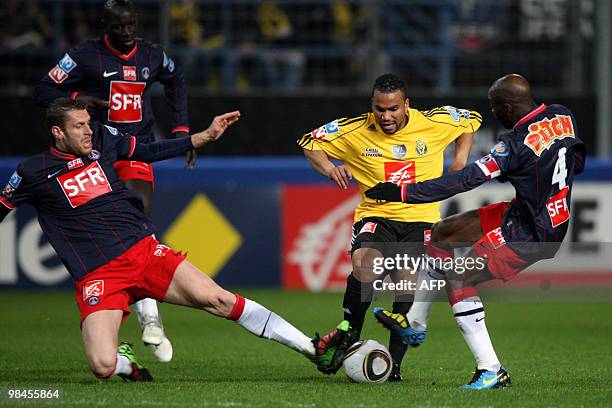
(264, 323)
(123, 365)
(470, 315)
(146, 307)
(427, 291)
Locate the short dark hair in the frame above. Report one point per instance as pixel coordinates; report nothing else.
(56, 112)
(389, 83)
(112, 5)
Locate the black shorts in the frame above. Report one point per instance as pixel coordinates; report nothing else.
(374, 232)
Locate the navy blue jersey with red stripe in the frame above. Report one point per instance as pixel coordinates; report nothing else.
(84, 209)
(124, 80)
(540, 157)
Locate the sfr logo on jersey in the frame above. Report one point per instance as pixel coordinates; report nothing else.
(496, 238)
(557, 207)
(85, 184)
(400, 172)
(125, 101)
(129, 73)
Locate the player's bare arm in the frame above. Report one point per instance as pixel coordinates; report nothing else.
(341, 175)
(217, 127)
(463, 146)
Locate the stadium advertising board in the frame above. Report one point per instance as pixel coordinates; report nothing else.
(317, 234)
(294, 235)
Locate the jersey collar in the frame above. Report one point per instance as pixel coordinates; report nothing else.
(530, 115)
(61, 155)
(124, 57)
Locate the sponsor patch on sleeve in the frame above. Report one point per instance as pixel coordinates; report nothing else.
(489, 167)
(112, 130)
(500, 150)
(15, 180)
(168, 63)
(332, 127)
(456, 113)
(67, 64)
(57, 74)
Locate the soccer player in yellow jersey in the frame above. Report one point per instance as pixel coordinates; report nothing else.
(392, 143)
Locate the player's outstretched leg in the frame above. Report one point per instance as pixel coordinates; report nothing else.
(134, 371)
(397, 323)
(485, 379)
(153, 335)
(193, 288)
(331, 349)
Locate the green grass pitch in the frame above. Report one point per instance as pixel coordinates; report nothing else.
(557, 353)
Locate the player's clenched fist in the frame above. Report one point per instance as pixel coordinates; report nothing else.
(217, 127)
(385, 191)
(341, 175)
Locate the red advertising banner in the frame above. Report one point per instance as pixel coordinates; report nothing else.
(316, 225)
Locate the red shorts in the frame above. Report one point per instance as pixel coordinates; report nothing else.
(134, 170)
(143, 271)
(503, 262)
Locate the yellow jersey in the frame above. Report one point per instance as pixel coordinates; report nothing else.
(414, 153)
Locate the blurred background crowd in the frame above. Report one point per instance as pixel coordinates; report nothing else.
(324, 48)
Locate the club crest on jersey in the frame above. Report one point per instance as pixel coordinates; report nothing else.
(421, 147)
(399, 151)
(67, 64)
(129, 73)
(83, 185)
(94, 154)
(544, 133)
(94, 288)
(146, 72)
(400, 172)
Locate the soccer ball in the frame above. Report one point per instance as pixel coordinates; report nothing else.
(368, 361)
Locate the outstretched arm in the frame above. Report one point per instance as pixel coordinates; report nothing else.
(165, 149)
(439, 188)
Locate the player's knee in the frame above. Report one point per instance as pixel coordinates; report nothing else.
(103, 366)
(221, 302)
(363, 260)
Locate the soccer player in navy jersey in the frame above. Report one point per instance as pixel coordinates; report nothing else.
(112, 75)
(539, 156)
(98, 228)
